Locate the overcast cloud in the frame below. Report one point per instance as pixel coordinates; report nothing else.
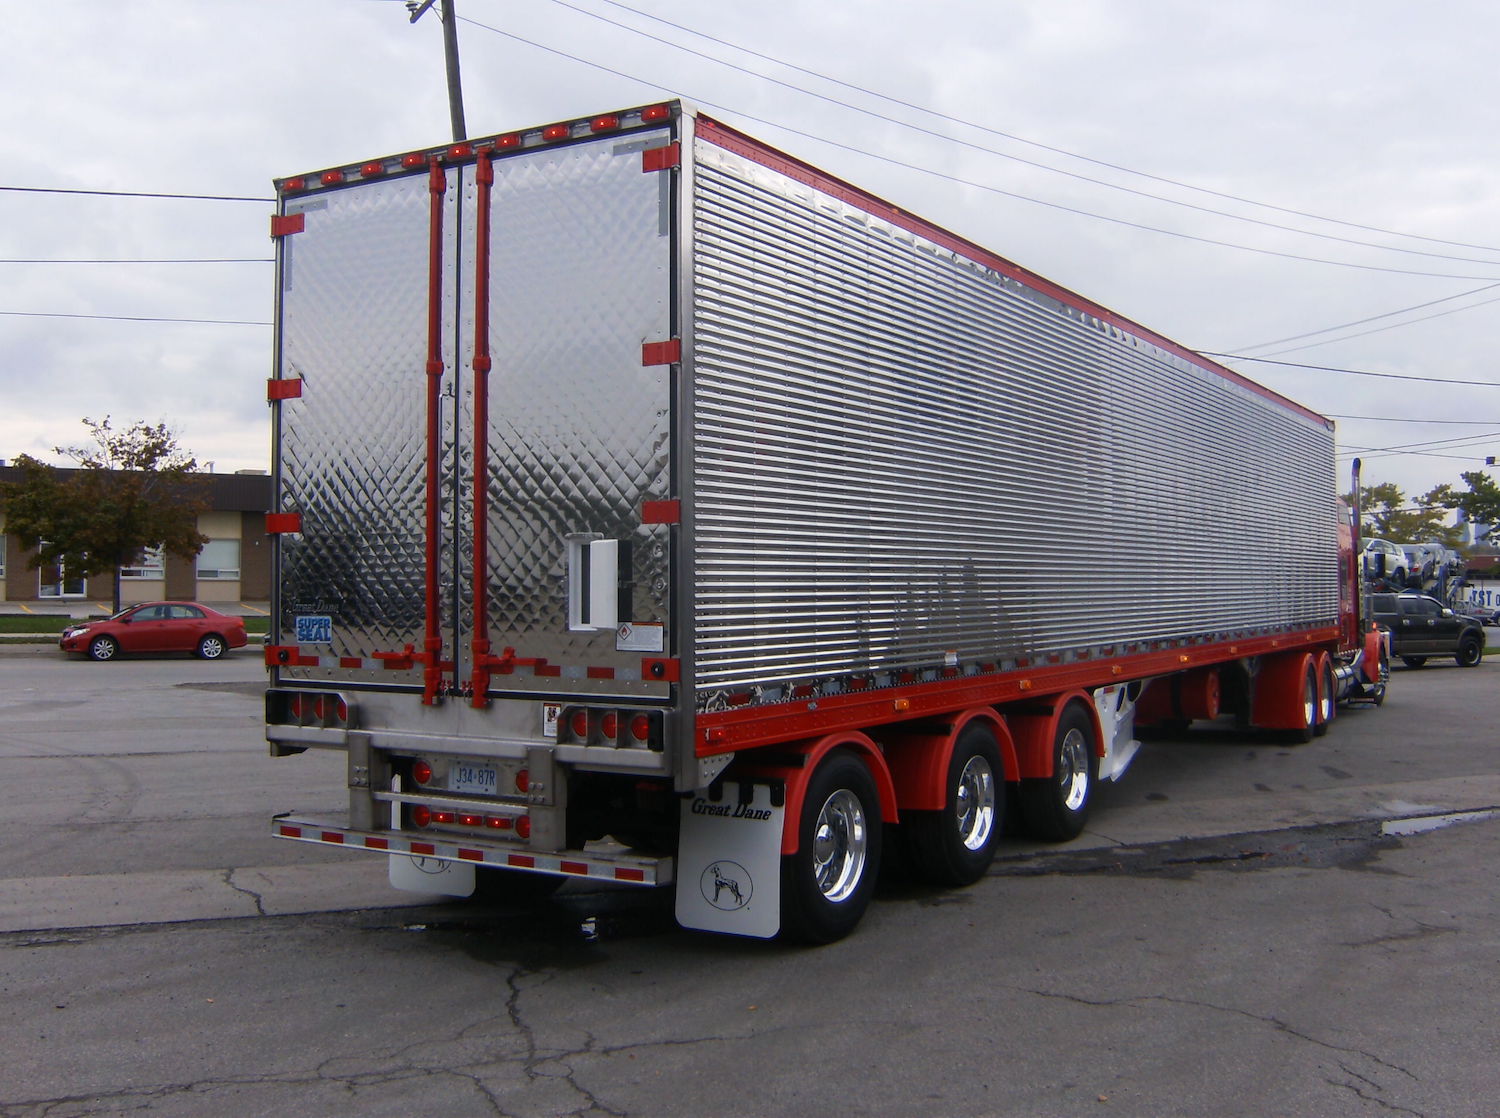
(1374, 113)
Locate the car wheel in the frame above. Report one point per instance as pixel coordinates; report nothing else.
(103, 648)
(1414, 661)
(1470, 652)
(211, 647)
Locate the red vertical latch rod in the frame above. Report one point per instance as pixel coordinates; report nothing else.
(485, 178)
(432, 644)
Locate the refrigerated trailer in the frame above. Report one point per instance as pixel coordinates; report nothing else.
(655, 507)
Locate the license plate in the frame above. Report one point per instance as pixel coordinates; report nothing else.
(481, 779)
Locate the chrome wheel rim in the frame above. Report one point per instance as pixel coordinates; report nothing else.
(1073, 770)
(976, 804)
(1310, 702)
(840, 845)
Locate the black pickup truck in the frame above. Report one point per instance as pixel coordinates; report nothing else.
(1421, 626)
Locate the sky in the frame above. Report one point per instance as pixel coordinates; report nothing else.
(1309, 181)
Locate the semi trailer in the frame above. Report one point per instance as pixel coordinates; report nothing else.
(653, 507)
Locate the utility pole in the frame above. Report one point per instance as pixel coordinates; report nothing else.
(449, 20)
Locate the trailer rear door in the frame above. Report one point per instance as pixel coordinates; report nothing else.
(482, 339)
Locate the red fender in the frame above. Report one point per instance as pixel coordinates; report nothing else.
(919, 762)
(795, 777)
(1278, 691)
(1035, 728)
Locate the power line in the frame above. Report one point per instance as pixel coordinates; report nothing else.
(144, 260)
(1409, 419)
(1351, 372)
(1016, 139)
(135, 194)
(959, 180)
(1392, 326)
(134, 318)
(1378, 317)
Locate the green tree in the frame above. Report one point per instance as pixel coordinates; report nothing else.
(1480, 505)
(1385, 512)
(133, 489)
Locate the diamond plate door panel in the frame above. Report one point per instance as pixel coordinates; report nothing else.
(353, 446)
(579, 427)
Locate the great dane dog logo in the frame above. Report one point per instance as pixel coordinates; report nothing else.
(726, 885)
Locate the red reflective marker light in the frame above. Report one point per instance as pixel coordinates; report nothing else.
(421, 816)
(292, 186)
(497, 822)
(421, 772)
(579, 724)
(656, 113)
(294, 707)
(610, 726)
(523, 781)
(442, 817)
(640, 727)
(331, 177)
(320, 709)
(507, 143)
(523, 826)
(415, 159)
(557, 132)
(370, 170)
(460, 151)
(604, 123)
(468, 820)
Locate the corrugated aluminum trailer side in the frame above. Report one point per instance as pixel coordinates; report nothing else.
(908, 454)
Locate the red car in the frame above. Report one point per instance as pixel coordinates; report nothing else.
(157, 627)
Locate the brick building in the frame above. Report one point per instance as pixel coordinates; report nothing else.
(234, 566)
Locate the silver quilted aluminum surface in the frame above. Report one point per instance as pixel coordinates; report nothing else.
(903, 458)
(579, 428)
(578, 433)
(353, 447)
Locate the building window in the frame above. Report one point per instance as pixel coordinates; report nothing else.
(219, 559)
(151, 565)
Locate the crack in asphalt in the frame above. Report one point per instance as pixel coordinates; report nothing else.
(260, 907)
(1276, 1023)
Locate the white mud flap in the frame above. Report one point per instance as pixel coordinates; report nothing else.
(432, 875)
(729, 862)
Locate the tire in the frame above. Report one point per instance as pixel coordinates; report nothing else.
(103, 648)
(211, 647)
(1304, 734)
(1414, 661)
(1470, 652)
(1056, 808)
(1328, 704)
(1377, 693)
(955, 846)
(826, 886)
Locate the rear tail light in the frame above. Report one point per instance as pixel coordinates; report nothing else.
(421, 772)
(322, 709)
(614, 728)
(578, 724)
